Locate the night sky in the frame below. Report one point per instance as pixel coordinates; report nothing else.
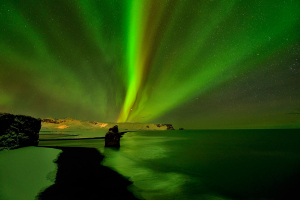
(195, 64)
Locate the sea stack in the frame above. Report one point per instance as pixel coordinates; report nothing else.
(112, 137)
(18, 131)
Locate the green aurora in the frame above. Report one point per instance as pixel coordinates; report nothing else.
(196, 64)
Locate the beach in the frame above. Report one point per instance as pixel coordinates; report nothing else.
(26, 171)
(59, 173)
(189, 164)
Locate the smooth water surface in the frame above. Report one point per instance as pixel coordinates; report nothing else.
(26, 171)
(209, 164)
(205, 164)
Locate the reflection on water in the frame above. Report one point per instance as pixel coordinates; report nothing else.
(150, 181)
(215, 164)
(26, 171)
(209, 164)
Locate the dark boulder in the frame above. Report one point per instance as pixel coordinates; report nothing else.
(181, 128)
(18, 131)
(112, 138)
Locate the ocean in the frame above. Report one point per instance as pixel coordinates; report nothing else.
(210, 164)
(201, 164)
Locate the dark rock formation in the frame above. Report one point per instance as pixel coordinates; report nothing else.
(81, 176)
(53, 121)
(169, 127)
(93, 122)
(18, 131)
(114, 129)
(112, 138)
(181, 128)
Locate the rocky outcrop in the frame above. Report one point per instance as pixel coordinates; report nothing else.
(18, 131)
(53, 121)
(114, 129)
(112, 138)
(169, 126)
(74, 124)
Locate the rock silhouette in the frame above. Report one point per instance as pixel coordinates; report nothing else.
(81, 176)
(112, 137)
(18, 131)
(169, 126)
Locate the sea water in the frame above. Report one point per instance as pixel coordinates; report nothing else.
(205, 164)
(209, 164)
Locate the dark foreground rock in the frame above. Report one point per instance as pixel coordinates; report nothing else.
(81, 176)
(18, 131)
(112, 138)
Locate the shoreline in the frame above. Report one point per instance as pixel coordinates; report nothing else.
(58, 172)
(78, 138)
(57, 139)
(26, 171)
(80, 175)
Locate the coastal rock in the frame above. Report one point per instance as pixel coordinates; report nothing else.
(112, 138)
(53, 121)
(18, 131)
(114, 129)
(169, 126)
(75, 124)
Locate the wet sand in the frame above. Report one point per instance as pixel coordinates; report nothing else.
(25, 172)
(59, 173)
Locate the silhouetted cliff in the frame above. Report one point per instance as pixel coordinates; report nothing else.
(18, 131)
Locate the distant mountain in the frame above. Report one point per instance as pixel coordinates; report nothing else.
(74, 124)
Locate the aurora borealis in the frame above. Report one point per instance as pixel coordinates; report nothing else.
(196, 64)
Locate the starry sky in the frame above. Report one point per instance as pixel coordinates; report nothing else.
(196, 64)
